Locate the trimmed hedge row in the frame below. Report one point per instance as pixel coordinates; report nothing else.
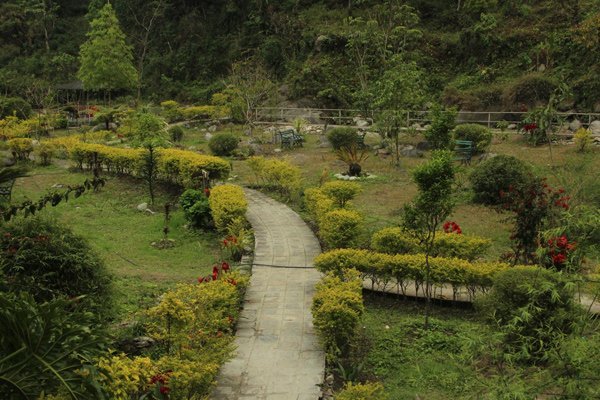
(396, 241)
(337, 309)
(227, 203)
(176, 166)
(404, 268)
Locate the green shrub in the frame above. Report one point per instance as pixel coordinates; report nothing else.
(583, 140)
(533, 307)
(20, 148)
(176, 133)
(498, 174)
(478, 134)
(278, 175)
(337, 309)
(16, 106)
(439, 135)
(44, 153)
(227, 203)
(223, 144)
(171, 111)
(196, 208)
(362, 391)
(48, 260)
(340, 228)
(530, 89)
(464, 247)
(342, 137)
(317, 203)
(393, 241)
(450, 245)
(341, 192)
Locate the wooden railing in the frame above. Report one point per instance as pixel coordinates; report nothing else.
(339, 116)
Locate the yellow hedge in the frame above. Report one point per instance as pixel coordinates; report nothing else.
(341, 228)
(227, 202)
(20, 148)
(394, 240)
(176, 166)
(317, 203)
(277, 174)
(381, 267)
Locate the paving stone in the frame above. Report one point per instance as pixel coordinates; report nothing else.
(278, 355)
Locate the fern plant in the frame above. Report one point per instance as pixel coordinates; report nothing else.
(353, 157)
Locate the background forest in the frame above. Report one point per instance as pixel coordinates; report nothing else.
(474, 54)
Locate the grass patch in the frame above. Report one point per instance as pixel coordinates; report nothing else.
(122, 235)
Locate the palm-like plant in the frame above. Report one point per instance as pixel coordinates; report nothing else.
(45, 348)
(352, 156)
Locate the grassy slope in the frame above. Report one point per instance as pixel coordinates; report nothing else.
(122, 235)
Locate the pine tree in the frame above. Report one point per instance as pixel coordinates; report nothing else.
(106, 59)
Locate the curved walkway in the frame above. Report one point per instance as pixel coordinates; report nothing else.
(278, 354)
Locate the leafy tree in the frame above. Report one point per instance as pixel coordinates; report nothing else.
(433, 204)
(106, 59)
(249, 86)
(149, 131)
(439, 135)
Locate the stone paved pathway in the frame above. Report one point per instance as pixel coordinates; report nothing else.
(278, 353)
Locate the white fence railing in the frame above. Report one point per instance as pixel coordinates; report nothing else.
(338, 116)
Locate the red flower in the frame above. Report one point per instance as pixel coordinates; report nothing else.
(559, 259)
(215, 275)
(219, 334)
(200, 279)
(562, 241)
(225, 266)
(164, 390)
(207, 192)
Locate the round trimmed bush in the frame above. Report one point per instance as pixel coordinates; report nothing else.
(341, 192)
(49, 261)
(394, 241)
(478, 134)
(530, 89)
(341, 228)
(498, 174)
(342, 137)
(223, 144)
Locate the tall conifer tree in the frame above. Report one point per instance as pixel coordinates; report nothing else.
(106, 58)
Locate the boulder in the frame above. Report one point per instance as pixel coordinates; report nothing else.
(411, 151)
(8, 162)
(575, 125)
(423, 146)
(142, 206)
(361, 122)
(208, 136)
(383, 152)
(212, 128)
(595, 127)
(512, 127)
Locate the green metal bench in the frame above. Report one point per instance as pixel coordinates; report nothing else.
(290, 139)
(463, 150)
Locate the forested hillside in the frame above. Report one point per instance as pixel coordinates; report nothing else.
(475, 54)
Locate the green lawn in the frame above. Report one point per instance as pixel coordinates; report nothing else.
(122, 235)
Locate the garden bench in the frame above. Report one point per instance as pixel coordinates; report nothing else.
(463, 150)
(290, 139)
(6, 189)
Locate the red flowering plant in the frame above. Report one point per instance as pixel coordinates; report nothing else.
(233, 248)
(160, 389)
(534, 205)
(452, 227)
(560, 253)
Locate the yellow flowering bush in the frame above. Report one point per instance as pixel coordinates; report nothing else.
(337, 309)
(20, 148)
(341, 228)
(341, 192)
(317, 203)
(396, 241)
(205, 112)
(227, 203)
(277, 174)
(125, 378)
(362, 391)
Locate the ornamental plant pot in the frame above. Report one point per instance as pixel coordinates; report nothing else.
(354, 169)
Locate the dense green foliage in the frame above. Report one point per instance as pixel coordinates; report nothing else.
(342, 137)
(476, 54)
(496, 175)
(223, 144)
(478, 134)
(196, 208)
(48, 260)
